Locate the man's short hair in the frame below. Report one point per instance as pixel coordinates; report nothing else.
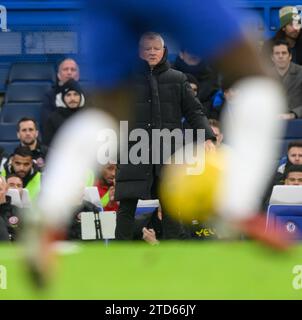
(280, 42)
(151, 36)
(294, 144)
(13, 175)
(60, 62)
(27, 119)
(23, 152)
(292, 168)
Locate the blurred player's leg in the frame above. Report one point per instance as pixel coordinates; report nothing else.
(251, 128)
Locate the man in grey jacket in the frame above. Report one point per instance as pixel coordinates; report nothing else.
(290, 75)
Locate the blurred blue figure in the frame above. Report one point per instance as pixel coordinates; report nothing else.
(112, 29)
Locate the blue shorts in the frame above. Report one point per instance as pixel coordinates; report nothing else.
(112, 29)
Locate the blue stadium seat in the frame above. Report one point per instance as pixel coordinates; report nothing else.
(294, 129)
(8, 132)
(21, 92)
(9, 147)
(13, 113)
(42, 72)
(285, 218)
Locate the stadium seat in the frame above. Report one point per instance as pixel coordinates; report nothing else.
(21, 92)
(294, 129)
(9, 147)
(14, 112)
(146, 206)
(42, 72)
(8, 132)
(293, 132)
(285, 218)
(282, 194)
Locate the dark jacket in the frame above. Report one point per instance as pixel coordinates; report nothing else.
(9, 221)
(55, 121)
(163, 98)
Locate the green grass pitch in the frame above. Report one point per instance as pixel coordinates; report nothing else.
(180, 270)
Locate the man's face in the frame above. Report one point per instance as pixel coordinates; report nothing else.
(218, 135)
(194, 88)
(72, 99)
(27, 133)
(294, 155)
(68, 70)
(21, 165)
(15, 183)
(292, 30)
(108, 174)
(294, 179)
(281, 57)
(152, 51)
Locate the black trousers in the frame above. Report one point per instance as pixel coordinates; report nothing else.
(125, 219)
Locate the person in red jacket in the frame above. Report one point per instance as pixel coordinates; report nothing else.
(106, 188)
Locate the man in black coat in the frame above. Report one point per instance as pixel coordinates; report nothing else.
(163, 97)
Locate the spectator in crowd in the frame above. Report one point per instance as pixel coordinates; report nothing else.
(21, 163)
(215, 125)
(293, 175)
(67, 69)
(15, 182)
(155, 108)
(293, 158)
(222, 98)
(28, 133)
(106, 187)
(290, 31)
(201, 70)
(9, 215)
(193, 82)
(290, 76)
(69, 101)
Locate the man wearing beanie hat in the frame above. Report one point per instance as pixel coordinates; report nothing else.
(290, 31)
(68, 101)
(71, 95)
